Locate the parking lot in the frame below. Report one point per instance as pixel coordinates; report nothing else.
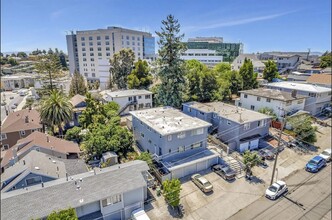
(228, 198)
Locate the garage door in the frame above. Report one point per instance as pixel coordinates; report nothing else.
(88, 208)
(190, 169)
(253, 144)
(244, 147)
(177, 173)
(201, 166)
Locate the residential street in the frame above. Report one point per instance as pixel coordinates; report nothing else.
(309, 197)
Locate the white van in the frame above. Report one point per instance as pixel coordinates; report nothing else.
(139, 214)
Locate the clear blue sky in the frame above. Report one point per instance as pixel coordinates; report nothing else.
(262, 25)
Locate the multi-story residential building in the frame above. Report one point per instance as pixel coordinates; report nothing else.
(32, 169)
(89, 51)
(237, 127)
(238, 62)
(129, 100)
(208, 57)
(177, 141)
(17, 81)
(108, 193)
(318, 97)
(41, 142)
(280, 102)
(19, 125)
(228, 51)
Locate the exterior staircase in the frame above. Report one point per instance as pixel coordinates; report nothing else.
(126, 106)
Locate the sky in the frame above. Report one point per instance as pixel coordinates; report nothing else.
(261, 25)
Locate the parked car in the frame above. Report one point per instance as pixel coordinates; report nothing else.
(266, 154)
(11, 97)
(225, 171)
(3, 103)
(139, 214)
(315, 164)
(202, 183)
(276, 190)
(13, 106)
(326, 154)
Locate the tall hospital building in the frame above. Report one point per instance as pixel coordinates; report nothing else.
(89, 51)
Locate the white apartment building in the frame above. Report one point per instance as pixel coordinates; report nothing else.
(129, 100)
(206, 56)
(18, 81)
(238, 62)
(89, 51)
(318, 97)
(280, 102)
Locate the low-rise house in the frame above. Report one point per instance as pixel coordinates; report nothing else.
(258, 65)
(324, 80)
(239, 128)
(79, 105)
(19, 125)
(318, 97)
(177, 141)
(129, 100)
(32, 169)
(280, 102)
(41, 142)
(108, 193)
(17, 81)
(298, 77)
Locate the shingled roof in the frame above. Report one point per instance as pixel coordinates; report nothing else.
(322, 79)
(24, 119)
(77, 99)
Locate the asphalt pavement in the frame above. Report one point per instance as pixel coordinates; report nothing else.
(309, 197)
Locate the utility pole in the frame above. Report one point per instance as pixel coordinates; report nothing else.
(279, 143)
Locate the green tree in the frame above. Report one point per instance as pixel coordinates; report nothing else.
(250, 159)
(50, 51)
(140, 78)
(65, 214)
(13, 55)
(121, 66)
(171, 191)
(12, 62)
(28, 103)
(48, 66)
(248, 77)
(271, 71)
(62, 58)
(302, 126)
(222, 68)
(193, 73)
(269, 112)
(77, 85)
(74, 134)
(22, 55)
(56, 110)
(209, 87)
(145, 156)
(171, 71)
(326, 60)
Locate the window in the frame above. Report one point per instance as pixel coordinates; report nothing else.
(107, 43)
(147, 105)
(5, 146)
(83, 54)
(82, 38)
(139, 97)
(138, 44)
(142, 134)
(127, 37)
(246, 126)
(259, 99)
(138, 38)
(252, 107)
(288, 103)
(196, 145)
(107, 48)
(214, 115)
(93, 75)
(300, 101)
(99, 54)
(86, 74)
(169, 137)
(201, 113)
(181, 135)
(98, 43)
(33, 180)
(130, 98)
(92, 54)
(112, 200)
(147, 96)
(141, 105)
(98, 37)
(3, 137)
(83, 49)
(258, 123)
(90, 38)
(268, 100)
(90, 44)
(83, 44)
(312, 94)
(197, 131)
(181, 148)
(107, 37)
(240, 104)
(22, 132)
(91, 49)
(128, 43)
(245, 96)
(229, 122)
(92, 59)
(149, 141)
(108, 54)
(263, 123)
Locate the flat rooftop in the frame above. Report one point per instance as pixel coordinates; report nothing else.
(167, 120)
(125, 93)
(230, 112)
(272, 94)
(300, 86)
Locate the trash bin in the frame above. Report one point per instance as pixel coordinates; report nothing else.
(158, 191)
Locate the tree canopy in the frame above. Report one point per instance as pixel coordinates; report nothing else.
(171, 192)
(251, 159)
(145, 156)
(121, 66)
(65, 214)
(271, 71)
(302, 126)
(326, 60)
(170, 92)
(248, 77)
(77, 85)
(140, 78)
(269, 112)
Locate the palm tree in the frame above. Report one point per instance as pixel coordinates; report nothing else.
(56, 110)
(250, 159)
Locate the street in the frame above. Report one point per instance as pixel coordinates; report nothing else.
(309, 197)
(5, 97)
